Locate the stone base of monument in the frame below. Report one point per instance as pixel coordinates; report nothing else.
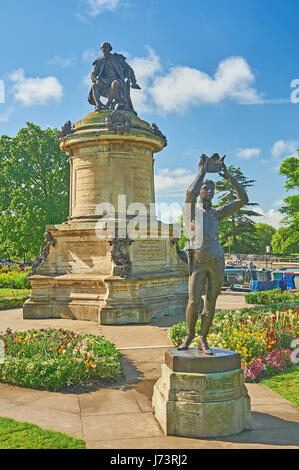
(81, 279)
(105, 264)
(202, 396)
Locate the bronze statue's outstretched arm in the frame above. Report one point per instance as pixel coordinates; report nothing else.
(194, 189)
(240, 201)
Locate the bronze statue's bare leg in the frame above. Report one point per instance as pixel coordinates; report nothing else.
(96, 96)
(195, 304)
(215, 279)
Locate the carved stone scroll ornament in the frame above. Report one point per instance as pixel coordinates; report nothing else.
(65, 130)
(118, 122)
(156, 131)
(43, 254)
(181, 253)
(121, 259)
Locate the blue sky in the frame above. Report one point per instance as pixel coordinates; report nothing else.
(216, 77)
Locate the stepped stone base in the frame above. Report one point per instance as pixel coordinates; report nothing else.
(81, 281)
(199, 404)
(110, 301)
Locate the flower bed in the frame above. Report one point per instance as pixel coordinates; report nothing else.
(51, 359)
(273, 363)
(271, 296)
(13, 298)
(254, 334)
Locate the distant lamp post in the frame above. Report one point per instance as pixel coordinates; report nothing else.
(268, 250)
(229, 243)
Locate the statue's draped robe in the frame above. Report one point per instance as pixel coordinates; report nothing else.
(122, 72)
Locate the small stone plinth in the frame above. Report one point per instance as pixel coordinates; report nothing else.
(202, 396)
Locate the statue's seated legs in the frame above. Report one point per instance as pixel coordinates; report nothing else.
(96, 93)
(112, 90)
(114, 96)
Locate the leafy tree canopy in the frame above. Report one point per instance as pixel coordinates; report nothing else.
(264, 234)
(282, 243)
(289, 237)
(239, 230)
(34, 187)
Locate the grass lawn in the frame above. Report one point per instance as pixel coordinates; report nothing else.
(286, 385)
(18, 435)
(13, 298)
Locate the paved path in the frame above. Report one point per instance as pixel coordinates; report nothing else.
(120, 416)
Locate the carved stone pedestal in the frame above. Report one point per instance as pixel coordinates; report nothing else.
(202, 396)
(92, 272)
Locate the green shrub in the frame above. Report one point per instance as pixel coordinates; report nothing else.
(10, 299)
(178, 332)
(14, 280)
(271, 296)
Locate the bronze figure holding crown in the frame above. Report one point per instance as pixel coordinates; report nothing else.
(205, 253)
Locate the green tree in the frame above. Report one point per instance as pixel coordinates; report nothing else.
(34, 187)
(290, 235)
(282, 244)
(240, 227)
(264, 234)
(183, 239)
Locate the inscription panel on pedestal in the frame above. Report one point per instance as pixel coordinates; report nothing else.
(149, 249)
(83, 250)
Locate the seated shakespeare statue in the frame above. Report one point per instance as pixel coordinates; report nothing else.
(112, 78)
(205, 253)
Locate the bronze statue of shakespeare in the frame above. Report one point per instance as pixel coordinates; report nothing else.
(111, 78)
(205, 256)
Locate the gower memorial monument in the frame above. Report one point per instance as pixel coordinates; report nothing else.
(201, 392)
(112, 261)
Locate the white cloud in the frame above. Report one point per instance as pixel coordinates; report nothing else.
(6, 115)
(284, 148)
(62, 61)
(98, 6)
(35, 91)
(86, 80)
(272, 217)
(168, 213)
(176, 89)
(278, 203)
(185, 86)
(145, 68)
(246, 154)
(89, 55)
(276, 101)
(173, 182)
